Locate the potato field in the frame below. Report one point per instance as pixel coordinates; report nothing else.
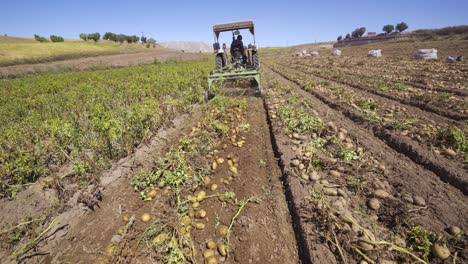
(346, 159)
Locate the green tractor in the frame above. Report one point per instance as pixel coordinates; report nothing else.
(243, 64)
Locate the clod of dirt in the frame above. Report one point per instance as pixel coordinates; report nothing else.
(335, 173)
(454, 230)
(381, 194)
(440, 251)
(145, 217)
(373, 204)
(419, 201)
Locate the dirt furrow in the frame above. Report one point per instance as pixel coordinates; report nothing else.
(346, 70)
(448, 170)
(421, 105)
(443, 202)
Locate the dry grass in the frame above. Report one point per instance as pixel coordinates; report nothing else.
(23, 50)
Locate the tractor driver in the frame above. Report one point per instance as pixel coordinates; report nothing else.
(237, 44)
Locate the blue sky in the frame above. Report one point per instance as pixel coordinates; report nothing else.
(278, 23)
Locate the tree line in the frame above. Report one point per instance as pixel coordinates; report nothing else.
(359, 32)
(107, 36)
(53, 38)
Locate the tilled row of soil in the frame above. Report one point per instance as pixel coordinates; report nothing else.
(209, 192)
(448, 168)
(367, 69)
(452, 107)
(356, 198)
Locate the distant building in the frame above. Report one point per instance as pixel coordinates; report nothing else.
(371, 33)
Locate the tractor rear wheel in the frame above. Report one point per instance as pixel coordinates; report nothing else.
(256, 61)
(219, 62)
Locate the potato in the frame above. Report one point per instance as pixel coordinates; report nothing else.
(195, 204)
(208, 253)
(230, 163)
(145, 217)
(153, 193)
(191, 213)
(206, 180)
(220, 160)
(454, 230)
(233, 169)
(223, 230)
(440, 251)
(211, 260)
(185, 220)
(222, 250)
(214, 187)
(214, 166)
(211, 244)
(200, 226)
(159, 239)
(373, 204)
(125, 218)
(201, 196)
(201, 213)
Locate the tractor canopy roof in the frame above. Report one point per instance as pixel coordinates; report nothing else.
(247, 24)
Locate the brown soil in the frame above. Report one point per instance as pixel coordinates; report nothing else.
(81, 234)
(447, 169)
(444, 202)
(263, 231)
(120, 60)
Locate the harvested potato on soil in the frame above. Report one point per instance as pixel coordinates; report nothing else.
(145, 217)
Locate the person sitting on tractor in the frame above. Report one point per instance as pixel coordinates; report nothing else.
(237, 45)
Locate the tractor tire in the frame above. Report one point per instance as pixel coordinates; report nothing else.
(256, 61)
(208, 96)
(219, 62)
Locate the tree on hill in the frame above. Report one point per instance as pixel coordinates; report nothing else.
(388, 28)
(143, 39)
(339, 38)
(358, 32)
(348, 36)
(55, 38)
(84, 36)
(110, 36)
(401, 27)
(39, 38)
(94, 36)
(151, 41)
